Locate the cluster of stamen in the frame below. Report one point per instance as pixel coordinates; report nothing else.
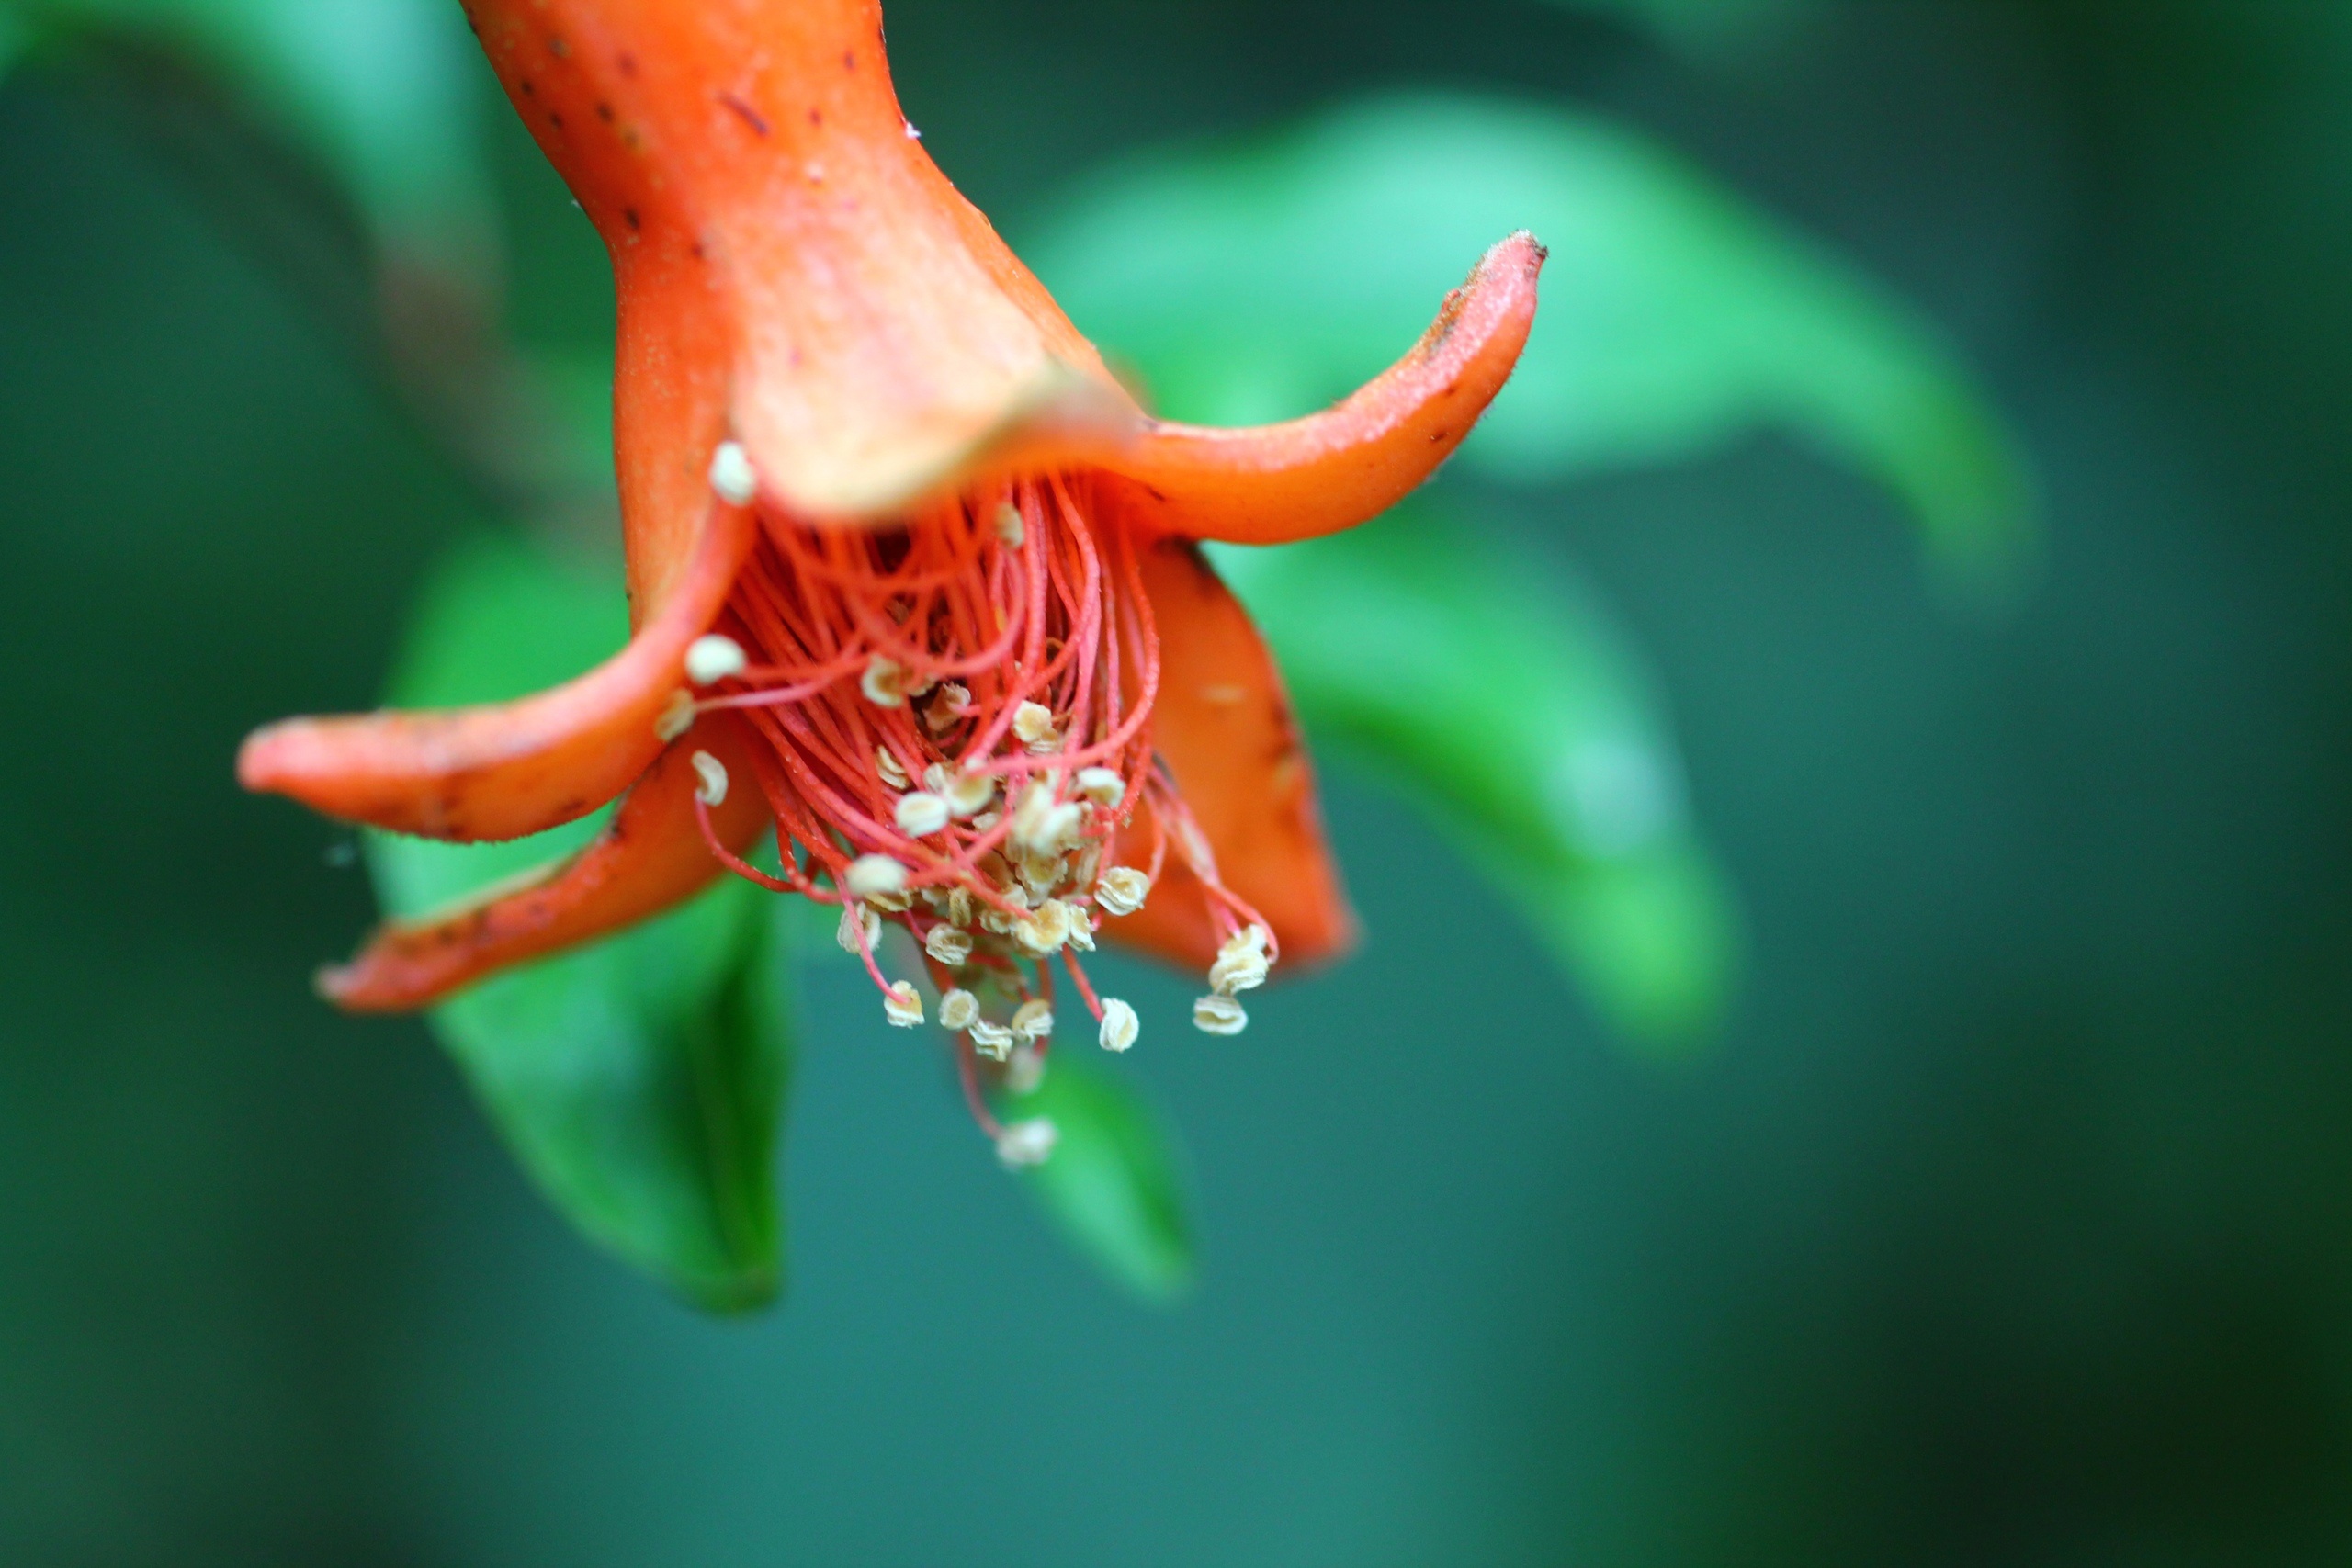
(954, 717)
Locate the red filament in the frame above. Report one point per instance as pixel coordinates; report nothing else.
(894, 659)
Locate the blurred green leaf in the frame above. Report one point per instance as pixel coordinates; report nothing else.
(384, 94)
(1115, 1185)
(1507, 703)
(640, 1080)
(15, 37)
(1708, 31)
(1261, 280)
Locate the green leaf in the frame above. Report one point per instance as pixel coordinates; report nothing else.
(16, 36)
(1261, 280)
(384, 94)
(640, 1080)
(1707, 31)
(1506, 702)
(1115, 1185)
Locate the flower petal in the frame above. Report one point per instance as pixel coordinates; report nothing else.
(650, 857)
(1223, 726)
(504, 770)
(1351, 462)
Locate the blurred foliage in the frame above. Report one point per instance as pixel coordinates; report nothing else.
(1708, 30)
(1116, 1184)
(1513, 709)
(1262, 279)
(383, 94)
(640, 1080)
(15, 37)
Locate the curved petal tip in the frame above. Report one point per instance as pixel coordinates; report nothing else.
(504, 770)
(1332, 470)
(650, 857)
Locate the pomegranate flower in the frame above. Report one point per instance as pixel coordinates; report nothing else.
(913, 579)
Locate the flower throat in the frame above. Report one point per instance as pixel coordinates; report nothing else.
(953, 723)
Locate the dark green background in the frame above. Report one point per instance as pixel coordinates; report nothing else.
(2010, 1221)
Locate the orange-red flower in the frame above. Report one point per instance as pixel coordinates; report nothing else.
(914, 580)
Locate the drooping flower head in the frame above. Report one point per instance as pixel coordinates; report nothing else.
(914, 580)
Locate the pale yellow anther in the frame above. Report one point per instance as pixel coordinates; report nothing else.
(884, 683)
(1029, 813)
(959, 907)
(1104, 787)
(1041, 874)
(715, 657)
(1008, 527)
(993, 1041)
(1033, 726)
(969, 793)
(712, 773)
(1024, 1071)
(891, 903)
(1060, 828)
(1088, 863)
(948, 944)
(1121, 890)
(1242, 972)
(1027, 1143)
(676, 717)
(986, 821)
(732, 475)
(1120, 1025)
(902, 1005)
(1082, 929)
(1034, 1019)
(946, 707)
(1219, 1015)
(887, 767)
(1043, 932)
(1002, 924)
(921, 813)
(1241, 963)
(1044, 826)
(958, 1009)
(856, 920)
(871, 876)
